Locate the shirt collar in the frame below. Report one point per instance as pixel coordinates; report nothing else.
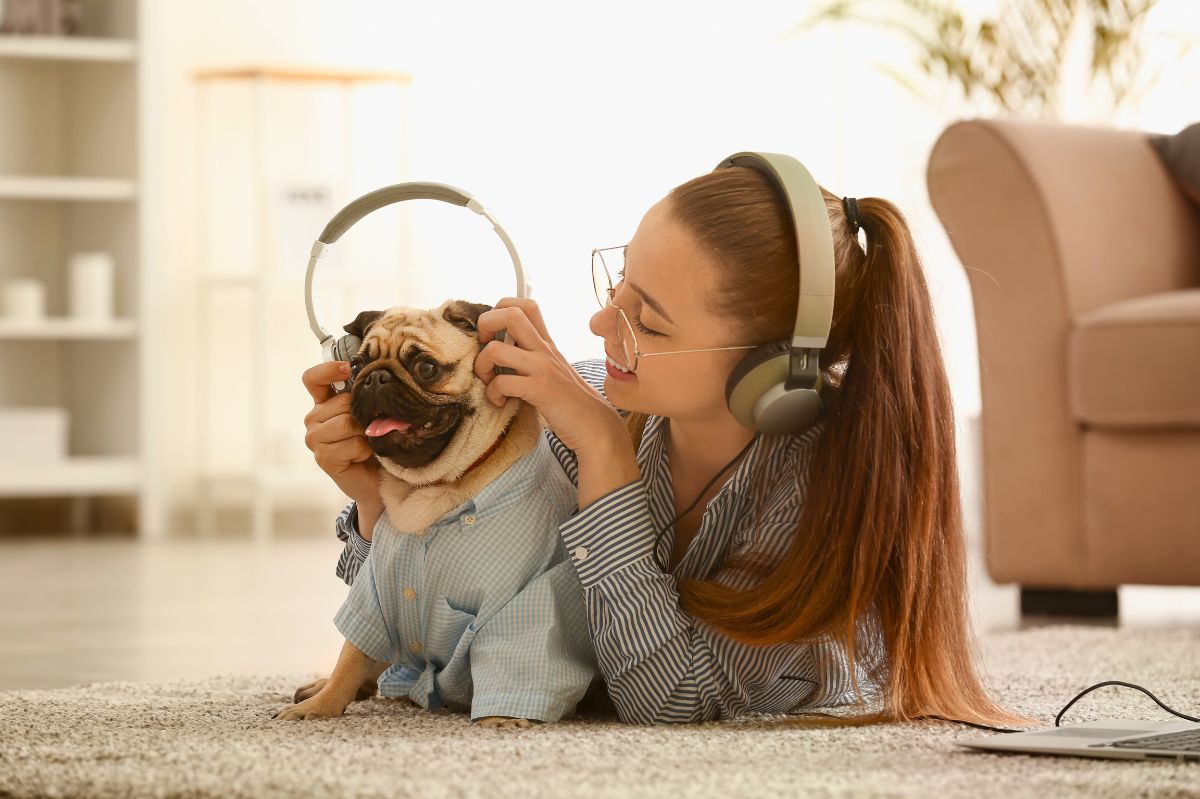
(654, 445)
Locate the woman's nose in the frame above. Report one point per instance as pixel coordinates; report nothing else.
(601, 323)
(604, 323)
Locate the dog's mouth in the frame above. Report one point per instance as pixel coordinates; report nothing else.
(444, 418)
(404, 427)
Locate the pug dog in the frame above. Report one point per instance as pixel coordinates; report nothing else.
(439, 439)
(429, 436)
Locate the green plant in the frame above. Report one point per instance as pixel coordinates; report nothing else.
(1015, 59)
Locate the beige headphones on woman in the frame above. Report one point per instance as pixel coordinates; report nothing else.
(776, 387)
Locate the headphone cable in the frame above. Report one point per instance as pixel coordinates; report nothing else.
(1058, 718)
(658, 533)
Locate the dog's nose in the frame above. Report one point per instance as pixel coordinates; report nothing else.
(379, 377)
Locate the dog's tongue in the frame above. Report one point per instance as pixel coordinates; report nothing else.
(384, 425)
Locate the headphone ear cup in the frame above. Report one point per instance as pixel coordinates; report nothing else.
(758, 397)
(741, 392)
(345, 348)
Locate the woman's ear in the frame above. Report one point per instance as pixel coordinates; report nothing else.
(362, 323)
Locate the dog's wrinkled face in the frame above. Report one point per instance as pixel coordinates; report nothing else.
(412, 382)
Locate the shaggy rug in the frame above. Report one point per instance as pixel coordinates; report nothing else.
(216, 738)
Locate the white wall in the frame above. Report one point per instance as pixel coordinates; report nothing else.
(568, 121)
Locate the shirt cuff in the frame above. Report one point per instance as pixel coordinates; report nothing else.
(347, 530)
(610, 533)
(542, 707)
(364, 630)
(357, 548)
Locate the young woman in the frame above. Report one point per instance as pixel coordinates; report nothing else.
(726, 570)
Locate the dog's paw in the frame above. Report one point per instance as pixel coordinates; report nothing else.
(365, 691)
(309, 690)
(313, 708)
(503, 722)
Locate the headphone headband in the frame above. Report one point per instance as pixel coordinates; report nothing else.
(399, 192)
(814, 241)
(377, 199)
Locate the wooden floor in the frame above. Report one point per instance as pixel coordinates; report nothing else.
(76, 611)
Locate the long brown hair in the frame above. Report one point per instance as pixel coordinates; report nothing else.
(881, 525)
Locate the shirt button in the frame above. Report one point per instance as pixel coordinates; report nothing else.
(470, 519)
(415, 646)
(581, 553)
(409, 593)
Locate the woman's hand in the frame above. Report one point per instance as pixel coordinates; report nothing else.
(578, 414)
(338, 442)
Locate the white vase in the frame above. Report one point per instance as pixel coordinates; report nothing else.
(91, 289)
(24, 299)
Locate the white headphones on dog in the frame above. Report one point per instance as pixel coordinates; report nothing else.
(776, 387)
(342, 348)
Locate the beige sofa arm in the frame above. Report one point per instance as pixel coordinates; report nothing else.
(1050, 221)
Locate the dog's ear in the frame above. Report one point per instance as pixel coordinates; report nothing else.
(464, 315)
(362, 323)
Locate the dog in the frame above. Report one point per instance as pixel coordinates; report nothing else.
(442, 444)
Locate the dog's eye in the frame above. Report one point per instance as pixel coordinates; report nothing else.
(426, 369)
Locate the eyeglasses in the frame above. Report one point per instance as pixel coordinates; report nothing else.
(603, 286)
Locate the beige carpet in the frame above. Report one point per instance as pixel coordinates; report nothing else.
(216, 738)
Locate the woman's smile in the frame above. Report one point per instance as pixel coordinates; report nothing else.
(616, 372)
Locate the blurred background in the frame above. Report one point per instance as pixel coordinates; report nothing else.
(165, 167)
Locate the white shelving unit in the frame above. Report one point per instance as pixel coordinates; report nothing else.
(72, 163)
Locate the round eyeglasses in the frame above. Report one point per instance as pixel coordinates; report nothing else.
(603, 286)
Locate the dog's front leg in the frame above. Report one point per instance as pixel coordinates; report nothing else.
(352, 668)
(368, 689)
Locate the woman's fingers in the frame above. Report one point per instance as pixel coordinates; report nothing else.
(338, 428)
(318, 379)
(498, 353)
(532, 311)
(513, 319)
(501, 387)
(334, 406)
(338, 456)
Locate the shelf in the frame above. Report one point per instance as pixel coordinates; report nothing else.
(254, 280)
(303, 74)
(299, 479)
(77, 475)
(278, 280)
(67, 48)
(65, 327)
(37, 187)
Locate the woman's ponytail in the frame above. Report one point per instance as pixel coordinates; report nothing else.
(877, 562)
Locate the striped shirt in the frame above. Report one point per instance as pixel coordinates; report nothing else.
(659, 663)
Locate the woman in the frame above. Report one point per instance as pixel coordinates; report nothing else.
(724, 570)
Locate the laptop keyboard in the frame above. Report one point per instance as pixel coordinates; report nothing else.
(1181, 741)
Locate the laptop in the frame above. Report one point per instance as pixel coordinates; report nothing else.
(1126, 739)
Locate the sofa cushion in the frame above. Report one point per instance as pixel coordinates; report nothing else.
(1181, 154)
(1136, 363)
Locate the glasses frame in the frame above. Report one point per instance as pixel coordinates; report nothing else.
(610, 292)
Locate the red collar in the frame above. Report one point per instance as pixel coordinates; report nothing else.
(478, 460)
